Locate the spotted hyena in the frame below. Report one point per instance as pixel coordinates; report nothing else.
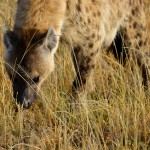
(89, 26)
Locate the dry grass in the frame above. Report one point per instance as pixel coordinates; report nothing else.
(116, 116)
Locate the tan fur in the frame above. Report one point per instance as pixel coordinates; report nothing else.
(38, 16)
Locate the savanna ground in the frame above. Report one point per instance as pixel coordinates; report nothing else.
(116, 116)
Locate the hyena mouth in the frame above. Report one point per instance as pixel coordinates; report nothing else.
(26, 104)
(24, 100)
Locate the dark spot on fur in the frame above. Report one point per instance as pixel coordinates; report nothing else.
(88, 38)
(92, 66)
(93, 1)
(135, 11)
(92, 54)
(67, 5)
(128, 44)
(93, 35)
(94, 14)
(84, 23)
(135, 25)
(91, 45)
(81, 19)
(141, 2)
(89, 21)
(99, 13)
(78, 6)
(140, 43)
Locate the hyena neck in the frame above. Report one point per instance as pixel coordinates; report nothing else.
(39, 16)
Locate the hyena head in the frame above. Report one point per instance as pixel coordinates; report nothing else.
(28, 67)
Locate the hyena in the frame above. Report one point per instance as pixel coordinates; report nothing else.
(89, 26)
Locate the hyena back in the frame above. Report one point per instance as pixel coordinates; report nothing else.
(89, 26)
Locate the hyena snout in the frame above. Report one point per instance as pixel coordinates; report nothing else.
(25, 96)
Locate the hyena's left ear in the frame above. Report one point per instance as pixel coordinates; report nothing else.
(9, 39)
(50, 41)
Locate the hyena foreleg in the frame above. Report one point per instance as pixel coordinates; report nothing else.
(84, 63)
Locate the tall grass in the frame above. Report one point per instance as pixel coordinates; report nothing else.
(115, 116)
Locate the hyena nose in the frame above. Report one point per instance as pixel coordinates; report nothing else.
(26, 104)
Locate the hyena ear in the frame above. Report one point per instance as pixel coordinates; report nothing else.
(9, 39)
(50, 41)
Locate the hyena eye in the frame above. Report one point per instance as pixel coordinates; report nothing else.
(36, 79)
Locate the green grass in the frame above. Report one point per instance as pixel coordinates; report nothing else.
(116, 115)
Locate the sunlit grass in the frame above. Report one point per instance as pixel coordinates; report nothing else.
(115, 116)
